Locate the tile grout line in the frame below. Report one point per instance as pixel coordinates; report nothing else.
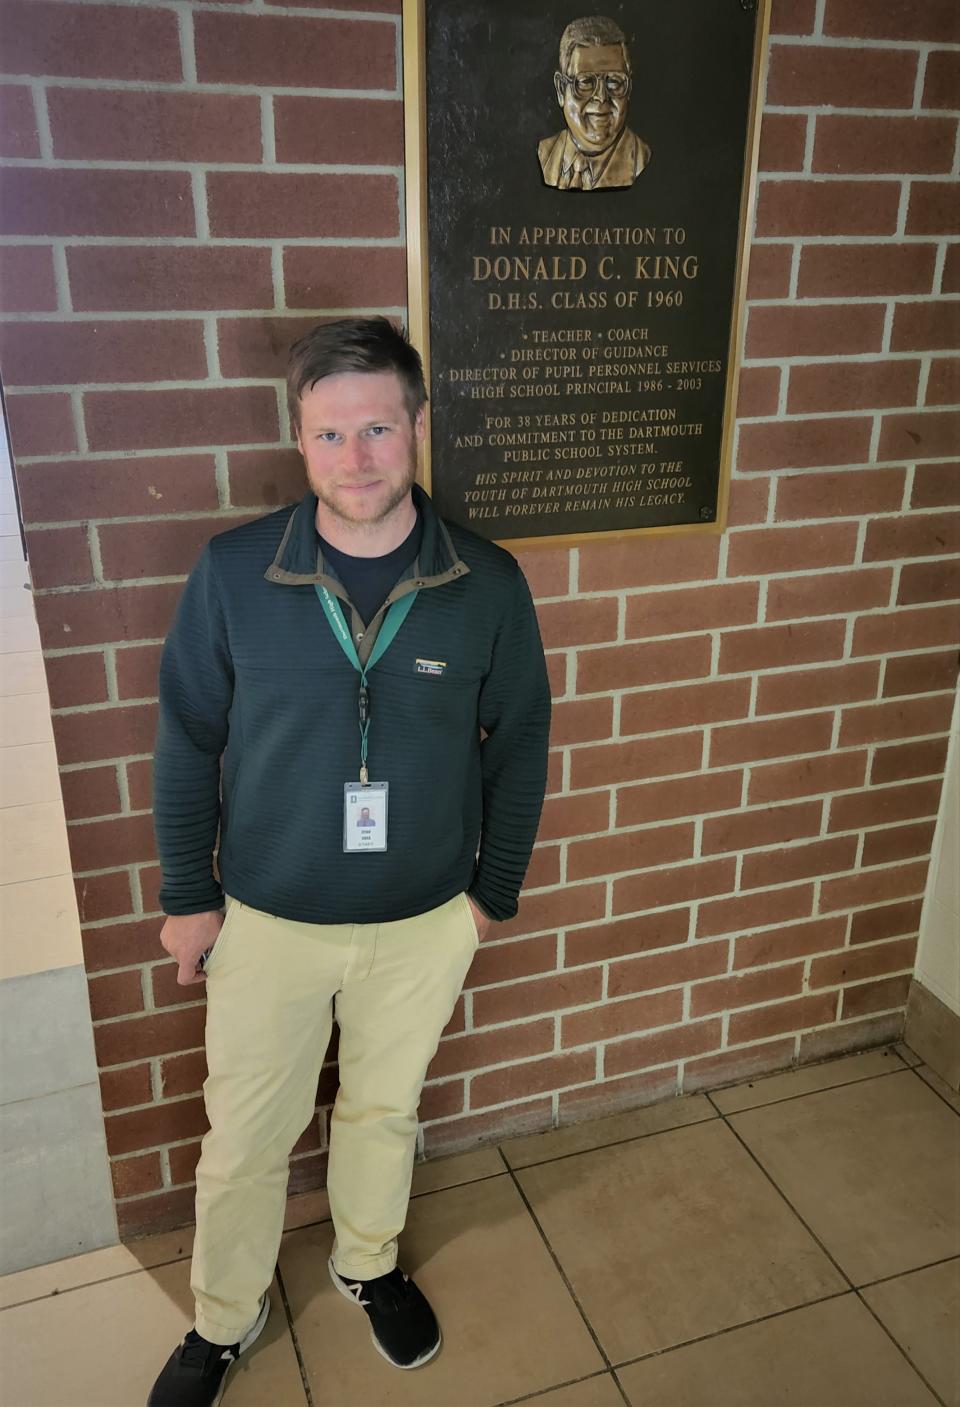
(556, 1387)
(308, 1394)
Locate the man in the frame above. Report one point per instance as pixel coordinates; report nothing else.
(293, 663)
(365, 819)
(596, 150)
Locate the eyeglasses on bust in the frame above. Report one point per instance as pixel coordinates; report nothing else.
(585, 85)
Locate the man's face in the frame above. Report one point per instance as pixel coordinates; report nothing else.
(595, 115)
(359, 444)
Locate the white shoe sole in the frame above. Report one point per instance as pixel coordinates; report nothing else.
(249, 1338)
(418, 1362)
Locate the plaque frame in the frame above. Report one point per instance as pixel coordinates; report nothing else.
(418, 262)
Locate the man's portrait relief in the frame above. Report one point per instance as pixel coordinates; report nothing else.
(596, 150)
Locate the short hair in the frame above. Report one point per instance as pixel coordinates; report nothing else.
(591, 29)
(354, 344)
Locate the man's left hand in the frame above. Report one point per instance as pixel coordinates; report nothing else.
(480, 919)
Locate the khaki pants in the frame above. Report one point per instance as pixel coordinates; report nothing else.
(273, 988)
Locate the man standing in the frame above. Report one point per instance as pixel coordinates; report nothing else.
(352, 649)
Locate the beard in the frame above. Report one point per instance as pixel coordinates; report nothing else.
(377, 507)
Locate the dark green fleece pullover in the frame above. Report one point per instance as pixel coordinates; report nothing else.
(251, 673)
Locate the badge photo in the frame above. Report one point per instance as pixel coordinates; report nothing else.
(364, 817)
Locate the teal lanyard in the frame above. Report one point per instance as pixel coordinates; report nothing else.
(392, 621)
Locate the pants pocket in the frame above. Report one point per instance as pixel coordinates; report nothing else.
(216, 952)
(471, 921)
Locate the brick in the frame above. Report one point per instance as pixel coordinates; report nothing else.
(943, 383)
(102, 896)
(950, 282)
(101, 844)
(547, 570)
(103, 617)
(936, 486)
(59, 557)
(769, 273)
(817, 76)
(122, 124)
(159, 1033)
(265, 478)
(164, 1211)
(539, 912)
(74, 353)
(127, 488)
(166, 990)
(272, 51)
(140, 784)
(544, 868)
(882, 805)
(792, 16)
(750, 742)
(920, 674)
(759, 391)
(828, 593)
(664, 887)
(933, 208)
(666, 929)
(164, 548)
(176, 419)
(882, 995)
(659, 710)
(125, 1087)
(895, 718)
(502, 962)
(584, 622)
(458, 1054)
(765, 550)
(887, 144)
(764, 826)
(688, 963)
(799, 862)
(818, 688)
(745, 911)
(91, 41)
(161, 1123)
(117, 994)
(855, 964)
(798, 444)
(350, 277)
(683, 796)
(70, 201)
(828, 386)
(544, 994)
(887, 921)
(776, 646)
(134, 1176)
(608, 1097)
(783, 330)
(930, 581)
(611, 566)
(259, 347)
(92, 791)
(76, 679)
(789, 941)
(183, 1162)
(104, 733)
(18, 123)
(574, 815)
(629, 666)
(622, 1018)
(784, 1016)
(807, 776)
(749, 500)
(144, 278)
(276, 205)
(783, 140)
(581, 721)
(27, 283)
(659, 756)
(865, 270)
(458, 1135)
(183, 1074)
(853, 891)
(745, 989)
(735, 1066)
(809, 207)
(926, 327)
(941, 81)
(840, 495)
(319, 131)
(379, 6)
(691, 609)
(886, 632)
(902, 19)
(882, 847)
(632, 850)
(40, 425)
(692, 1038)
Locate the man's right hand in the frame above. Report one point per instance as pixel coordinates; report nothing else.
(186, 937)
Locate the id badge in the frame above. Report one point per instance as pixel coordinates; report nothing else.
(364, 817)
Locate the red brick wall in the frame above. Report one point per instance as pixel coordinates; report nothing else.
(750, 730)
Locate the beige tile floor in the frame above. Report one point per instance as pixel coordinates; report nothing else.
(793, 1240)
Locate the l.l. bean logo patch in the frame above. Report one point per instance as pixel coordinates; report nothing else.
(434, 667)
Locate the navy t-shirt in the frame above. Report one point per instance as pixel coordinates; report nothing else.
(369, 580)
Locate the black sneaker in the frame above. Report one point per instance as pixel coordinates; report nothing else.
(402, 1324)
(195, 1374)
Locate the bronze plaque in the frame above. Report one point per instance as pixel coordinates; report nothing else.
(578, 188)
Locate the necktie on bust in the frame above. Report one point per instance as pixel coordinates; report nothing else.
(573, 178)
